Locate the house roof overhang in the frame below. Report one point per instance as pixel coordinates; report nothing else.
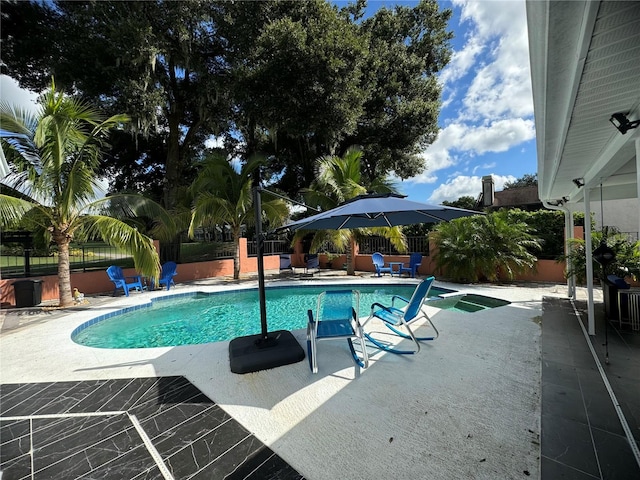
(585, 66)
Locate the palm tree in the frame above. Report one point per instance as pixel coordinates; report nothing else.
(223, 196)
(484, 246)
(54, 156)
(339, 179)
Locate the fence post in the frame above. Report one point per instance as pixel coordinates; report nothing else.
(27, 263)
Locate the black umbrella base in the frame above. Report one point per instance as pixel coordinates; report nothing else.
(252, 353)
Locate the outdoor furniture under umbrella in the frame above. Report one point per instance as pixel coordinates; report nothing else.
(272, 349)
(378, 210)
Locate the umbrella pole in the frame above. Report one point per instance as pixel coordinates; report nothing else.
(253, 353)
(257, 206)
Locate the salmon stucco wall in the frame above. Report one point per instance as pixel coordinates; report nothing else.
(98, 281)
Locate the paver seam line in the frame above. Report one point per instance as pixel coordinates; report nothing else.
(132, 418)
(151, 448)
(567, 466)
(221, 455)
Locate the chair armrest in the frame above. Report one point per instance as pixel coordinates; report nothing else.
(312, 325)
(393, 299)
(355, 317)
(383, 307)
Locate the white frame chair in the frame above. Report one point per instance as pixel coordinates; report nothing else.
(336, 318)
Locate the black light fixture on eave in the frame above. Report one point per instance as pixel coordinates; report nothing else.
(579, 182)
(622, 123)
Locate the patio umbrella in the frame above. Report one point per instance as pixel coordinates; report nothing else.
(272, 349)
(378, 210)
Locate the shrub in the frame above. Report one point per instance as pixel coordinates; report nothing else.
(484, 247)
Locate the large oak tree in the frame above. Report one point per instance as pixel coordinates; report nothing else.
(292, 80)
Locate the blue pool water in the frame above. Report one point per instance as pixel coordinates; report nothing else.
(212, 317)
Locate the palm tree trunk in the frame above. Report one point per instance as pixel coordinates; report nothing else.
(64, 273)
(351, 261)
(236, 256)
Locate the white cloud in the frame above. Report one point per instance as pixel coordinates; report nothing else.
(461, 62)
(214, 142)
(485, 166)
(11, 93)
(459, 141)
(502, 84)
(461, 186)
(498, 136)
(491, 76)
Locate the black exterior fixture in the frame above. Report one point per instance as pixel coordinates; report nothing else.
(622, 123)
(579, 182)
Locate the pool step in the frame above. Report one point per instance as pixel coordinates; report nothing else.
(468, 302)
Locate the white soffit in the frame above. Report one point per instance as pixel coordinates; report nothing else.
(585, 66)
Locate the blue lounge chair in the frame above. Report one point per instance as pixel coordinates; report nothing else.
(167, 273)
(415, 260)
(395, 318)
(378, 263)
(116, 275)
(336, 317)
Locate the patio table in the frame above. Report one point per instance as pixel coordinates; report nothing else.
(395, 271)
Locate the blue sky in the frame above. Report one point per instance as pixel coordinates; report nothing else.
(486, 121)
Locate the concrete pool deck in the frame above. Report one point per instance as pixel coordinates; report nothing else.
(467, 406)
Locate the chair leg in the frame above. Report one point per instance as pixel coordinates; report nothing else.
(312, 344)
(386, 347)
(361, 361)
(412, 336)
(378, 344)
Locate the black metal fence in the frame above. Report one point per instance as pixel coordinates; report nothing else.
(382, 245)
(17, 261)
(271, 247)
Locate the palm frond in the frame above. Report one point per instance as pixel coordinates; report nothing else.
(128, 239)
(14, 209)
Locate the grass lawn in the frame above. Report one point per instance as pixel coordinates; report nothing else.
(89, 256)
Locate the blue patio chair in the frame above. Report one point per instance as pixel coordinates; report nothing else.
(415, 260)
(167, 273)
(285, 262)
(116, 275)
(395, 318)
(336, 317)
(378, 263)
(312, 261)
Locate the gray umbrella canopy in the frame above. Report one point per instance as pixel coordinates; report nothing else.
(378, 210)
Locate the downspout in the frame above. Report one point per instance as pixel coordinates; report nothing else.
(568, 234)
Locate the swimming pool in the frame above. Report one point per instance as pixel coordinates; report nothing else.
(199, 317)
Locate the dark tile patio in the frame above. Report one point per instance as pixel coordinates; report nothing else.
(582, 434)
(143, 428)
